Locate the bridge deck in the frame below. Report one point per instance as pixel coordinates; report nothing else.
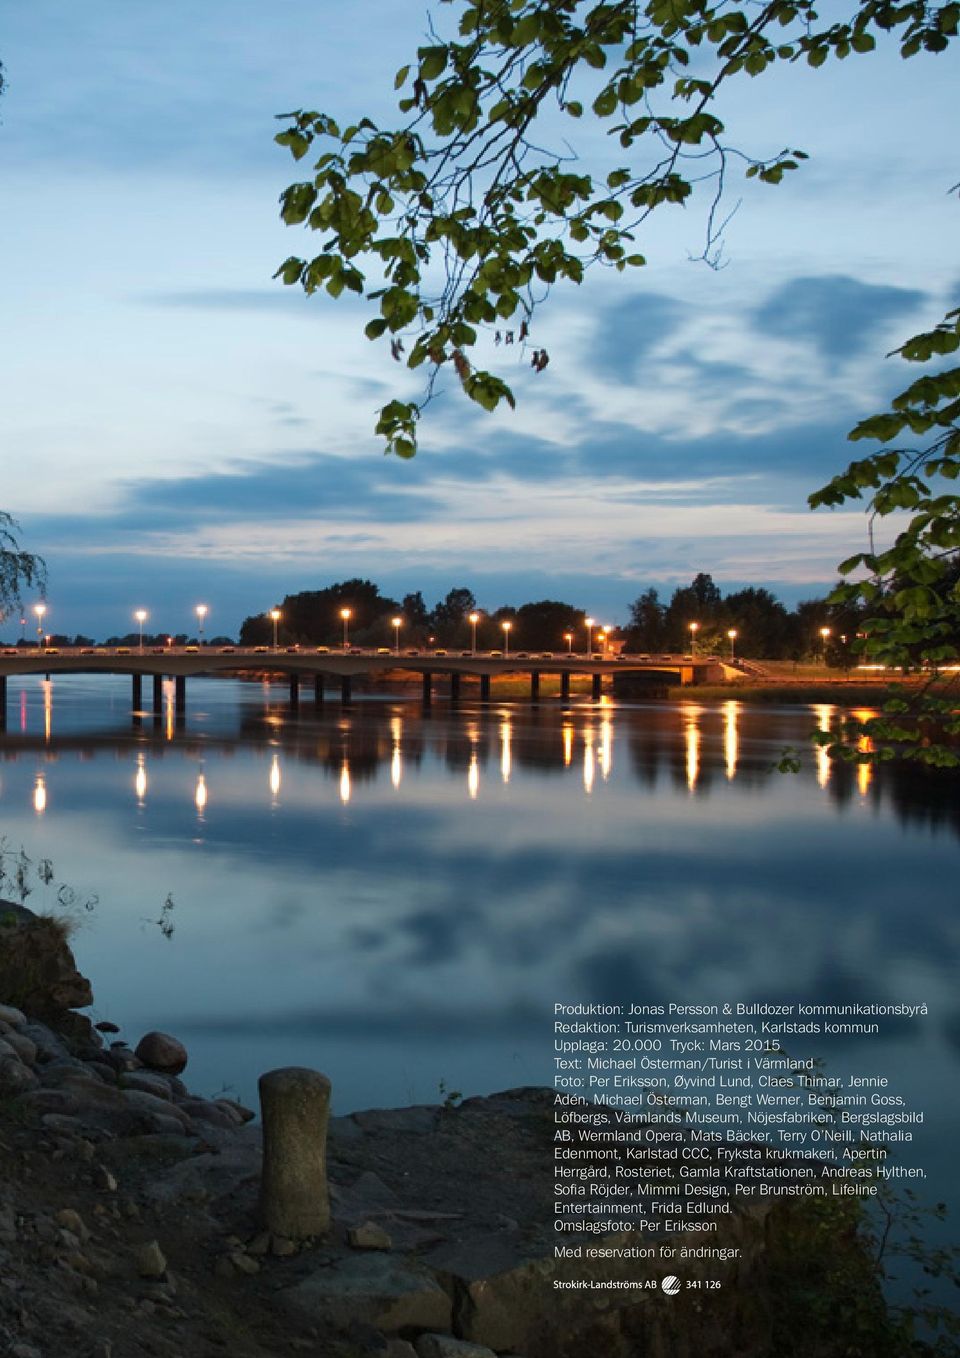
(352, 663)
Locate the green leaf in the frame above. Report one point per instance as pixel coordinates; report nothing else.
(433, 62)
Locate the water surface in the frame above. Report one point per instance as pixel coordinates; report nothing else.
(399, 898)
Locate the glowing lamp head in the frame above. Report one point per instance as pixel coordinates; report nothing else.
(694, 626)
(202, 611)
(141, 615)
(274, 615)
(824, 632)
(506, 626)
(39, 609)
(397, 622)
(345, 613)
(474, 618)
(732, 634)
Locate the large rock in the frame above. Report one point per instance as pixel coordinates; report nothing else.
(38, 972)
(373, 1289)
(15, 1077)
(160, 1051)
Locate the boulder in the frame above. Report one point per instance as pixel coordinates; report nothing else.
(160, 1051)
(375, 1289)
(38, 972)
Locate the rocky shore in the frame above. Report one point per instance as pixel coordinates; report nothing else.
(131, 1220)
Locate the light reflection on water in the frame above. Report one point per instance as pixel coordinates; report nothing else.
(398, 897)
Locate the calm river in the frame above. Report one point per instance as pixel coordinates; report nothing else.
(399, 899)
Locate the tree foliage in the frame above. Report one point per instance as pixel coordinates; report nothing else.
(462, 214)
(19, 570)
(909, 592)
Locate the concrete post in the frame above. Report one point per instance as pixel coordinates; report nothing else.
(597, 686)
(565, 686)
(318, 690)
(427, 689)
(534, 685)
(3, 702)
(157, 694)
(345, 690)
(180, 693)
(294, 690)
(137, 692)
(484, 688)
(455, 687)
(294, 1196)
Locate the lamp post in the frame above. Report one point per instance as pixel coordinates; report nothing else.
(824, 635)
(732, 634)
(694, 628)
(568, 638)
(39, 609)
(275, 619)
(589, 624)
(345, 615)
(202, 612)
(474, 619)
(604, 632)
(396, 623)
(506, 625)
(141, 617)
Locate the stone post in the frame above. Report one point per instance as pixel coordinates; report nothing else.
(295, 1106)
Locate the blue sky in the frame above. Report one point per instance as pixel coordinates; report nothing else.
(176, 427)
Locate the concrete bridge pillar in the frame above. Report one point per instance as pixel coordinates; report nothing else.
(597, 686)
(3, 702)
(565, 686)
(534, 685)
(484, 688)
(318, 690)
(455, 688)
(137, 692)
(294, 690)
(427, 688)
(157, 694)
(180, 693)
(345, 690)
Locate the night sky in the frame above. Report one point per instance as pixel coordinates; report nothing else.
(176, 427)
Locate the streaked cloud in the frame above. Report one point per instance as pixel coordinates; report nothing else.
(840, 316)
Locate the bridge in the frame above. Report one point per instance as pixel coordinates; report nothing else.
(343, 666)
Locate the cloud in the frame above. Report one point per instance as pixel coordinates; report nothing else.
(841, 316)
(284, 300)
(629, 330)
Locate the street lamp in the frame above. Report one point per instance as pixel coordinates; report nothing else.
(732, 634)
(202, 612)
(474, 619)
(568, 638)
(824, 634)
(694, 629)
(589, 624)
(275, 616)
(506, 625)
(39, 609)
(345, 615)
(603, 639)
(397, 624)
(141, 617)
